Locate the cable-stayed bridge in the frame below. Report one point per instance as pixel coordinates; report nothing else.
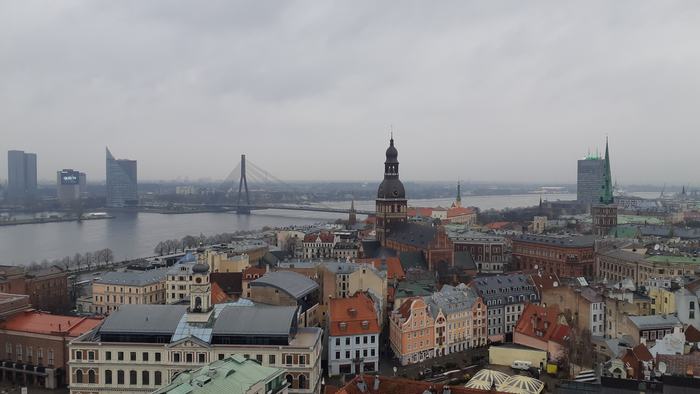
(248, 177)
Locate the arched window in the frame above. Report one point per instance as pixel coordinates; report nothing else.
(79, 376)
(145, 378)
(290, 379)
(157, 378)
(132, 377)
(198, 303)
(91, 376)
(120, 377)
(302, 381)
(108, 377)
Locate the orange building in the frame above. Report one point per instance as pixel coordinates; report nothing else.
(544, 328)
(411, 331)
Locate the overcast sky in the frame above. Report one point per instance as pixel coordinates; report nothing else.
(488, 90)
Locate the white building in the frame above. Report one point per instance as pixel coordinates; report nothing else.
(353, 335)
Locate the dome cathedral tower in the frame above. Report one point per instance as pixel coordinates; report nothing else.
(391, 204)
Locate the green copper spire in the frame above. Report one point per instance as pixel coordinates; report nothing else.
(459, 194)
(606, 195)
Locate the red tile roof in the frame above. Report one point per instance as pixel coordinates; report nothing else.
(393, 385)
(692, 334)
(393, 267)
(405, 308)
(543, 323)
(325, 237)
(498, 225)
(46, 323)
(218, 296)
(460, 211)
(419, 211)
(634, 357)
(346, 316)
(253, 273)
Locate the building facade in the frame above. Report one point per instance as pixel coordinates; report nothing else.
(114, 289)
(589, 177)
(412, 332)
(460, 319)
(35, 347)
(353, 335)
(505, 297)
(47, 288)
(565, 256)
(488, 251)
(122, 182)
(141, 348)
(70, 186)
(21, 176)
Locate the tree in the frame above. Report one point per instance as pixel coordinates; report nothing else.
(160, 249)
(77, 260)
(108, 255)
(89, 259)
(189, 241)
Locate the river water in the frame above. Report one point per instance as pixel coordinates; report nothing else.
(131, 235)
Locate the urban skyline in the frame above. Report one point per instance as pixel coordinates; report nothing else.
(480, 91)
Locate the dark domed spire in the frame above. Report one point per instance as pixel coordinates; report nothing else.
(391, 186)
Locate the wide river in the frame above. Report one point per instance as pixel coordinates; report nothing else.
(132, 235)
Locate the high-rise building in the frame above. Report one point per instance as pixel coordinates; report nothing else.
(391, 204)
(604, 211)
(70, 185)
(121, 182)
(589, 178)
(21, 176)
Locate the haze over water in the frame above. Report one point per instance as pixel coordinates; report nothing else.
(132, 235)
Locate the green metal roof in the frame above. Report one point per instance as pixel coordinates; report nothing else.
(233, 375)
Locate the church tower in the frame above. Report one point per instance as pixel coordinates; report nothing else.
(604, 213)
(200, 293)
(458, 200)
(391, 201)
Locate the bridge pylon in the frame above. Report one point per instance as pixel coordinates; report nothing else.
(243, 187)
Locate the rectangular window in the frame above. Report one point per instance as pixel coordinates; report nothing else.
(120, 356)
(157, 356)
(372, 338)
(221, 356)
(372, 352)
(347, 340)
(201, 358)
(347, 354)
(337, 342)
(132, 356)
(144, 355)
(288, 359)
(108, 356)
(357, 340)
(337, 355)
(271, 359)
(364, 339)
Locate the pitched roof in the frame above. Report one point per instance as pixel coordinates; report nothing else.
(230, 283)
(417, 235)
(543, 323)
(412, 260)
(134, 278)
(464, 261)
(692, 334)
(560, 241)
(253, 273)
(292, 283)
(45, 323)
(654, 321)
(460, 211)
(392, 266)
(347, 316)
(257, 320)
(218, 296)
(405, 308)
(321, 237)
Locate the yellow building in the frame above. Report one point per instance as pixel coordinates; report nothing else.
(223, 262)
(126, 288)
(506, 354)
(663, 301)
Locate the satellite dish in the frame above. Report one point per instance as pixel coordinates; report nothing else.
(657, 247)
(662, 367)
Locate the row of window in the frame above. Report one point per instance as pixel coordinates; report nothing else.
(372, 339)
(120, 377)
(145, 356)
(365, 353)
(23, 353)
(121, 289)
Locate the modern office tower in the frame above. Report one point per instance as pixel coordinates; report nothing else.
(70, 185)
(590, 174)
(121, 182)
(21, 176)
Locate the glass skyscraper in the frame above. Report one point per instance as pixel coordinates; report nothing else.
(591, 171)
(21, 176)
(122, 182)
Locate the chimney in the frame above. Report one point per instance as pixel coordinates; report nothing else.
(643, 341)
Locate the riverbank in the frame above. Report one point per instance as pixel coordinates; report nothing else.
(19, 222)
